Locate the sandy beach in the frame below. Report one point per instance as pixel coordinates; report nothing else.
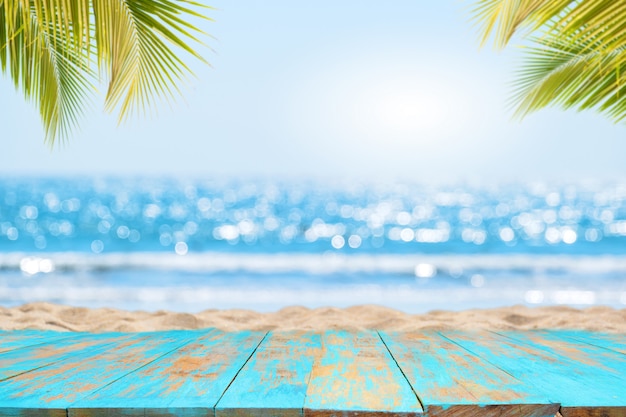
(46, 316)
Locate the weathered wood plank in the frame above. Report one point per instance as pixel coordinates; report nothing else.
(579, 387)
(273, 382)
(611, 341)
(354, 374)
(19, 361)
(10, 340)
(21, 412)
(156, 412)
(604, 368)
(186, 382)
(578, 355)
(54, 387)
(451, 381)
(522, 374)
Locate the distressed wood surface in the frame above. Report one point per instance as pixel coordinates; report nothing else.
(354, 374)
(23, 338)
(615, 342)
(451, 381)
(604, 368)
(188, 381)
(40, 355)
(580, 355)
(274, 381)
(57, 385)
(211, 373)
(579, 388)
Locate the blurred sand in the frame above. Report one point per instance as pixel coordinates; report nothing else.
(63, 318)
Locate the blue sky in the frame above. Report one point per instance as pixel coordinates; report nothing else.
(358, 89)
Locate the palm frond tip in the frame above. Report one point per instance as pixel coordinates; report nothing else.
(578, 56)
(55, 51)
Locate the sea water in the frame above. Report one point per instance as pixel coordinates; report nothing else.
(189, 245)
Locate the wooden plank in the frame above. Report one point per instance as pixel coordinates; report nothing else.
(186, 382)
(601, 367)
(450, 381)
(17, 339)
(611, 341)
(273, 382)
(54, 387)
(581, 356)
(20, 412)
(41, 349)
(579, 388)
(354, 374)
(294, 374)
(20, 361)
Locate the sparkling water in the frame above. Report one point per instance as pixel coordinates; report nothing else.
(188, 245)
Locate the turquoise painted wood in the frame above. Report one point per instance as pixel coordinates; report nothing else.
(579, 388)
(581, 357)
(57, 385)
(21, 412)
(21, 361)
(217, 374)
(615, 342)
(450, 380)
(188, 381)
(354, 372)
(590, 365)
(23, 338)
(274, 381)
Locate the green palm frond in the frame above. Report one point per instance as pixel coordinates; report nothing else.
(53, 50)
(134, 38)
(572, 76)
(577, 56)
(505, 18)
(31, 51)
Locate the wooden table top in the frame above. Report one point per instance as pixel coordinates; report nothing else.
(300, 374)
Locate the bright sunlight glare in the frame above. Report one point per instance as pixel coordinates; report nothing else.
(406, 109)
(405, 106)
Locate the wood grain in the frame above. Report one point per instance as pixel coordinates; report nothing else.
(571, 384)
(39, 355)
(580, 355)
(611, 341)
(274, 381)
(188, 381)
(211, 373)
(11, 340)
(57, 385)
(355, 375)
(452, 381)
(602, 367)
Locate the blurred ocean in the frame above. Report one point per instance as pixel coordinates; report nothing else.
(189, 245)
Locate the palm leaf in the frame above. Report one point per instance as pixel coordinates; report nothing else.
(577, 77)
(134, 38)
(504, 18)
(33, 51)
(53, 50)
(577, 56)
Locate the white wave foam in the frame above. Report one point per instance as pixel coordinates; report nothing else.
(199, 298)
(212, 262)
